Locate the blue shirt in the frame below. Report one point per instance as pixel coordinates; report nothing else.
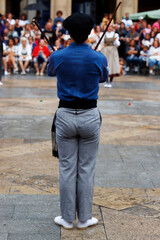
(79, 70)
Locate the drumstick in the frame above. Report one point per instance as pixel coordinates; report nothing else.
(37, 24)
(108, 25)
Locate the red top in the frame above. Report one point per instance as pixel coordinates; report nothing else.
(37, 49)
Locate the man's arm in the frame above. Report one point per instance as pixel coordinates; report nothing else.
(50, 67)
(105, 71)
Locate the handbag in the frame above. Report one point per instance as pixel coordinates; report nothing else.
(53, 139)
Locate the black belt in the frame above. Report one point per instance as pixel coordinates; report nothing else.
(78, 104)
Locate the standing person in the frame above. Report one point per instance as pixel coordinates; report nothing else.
(156, 24)
(139, 24)
(79, 70)
(122, 34)
(127, 21)
(10, 19)
(1, 54)
(50, 33)
(39, 19)
(111, 42)
(2, 28)
(23, 21)
(95, 36)
(58, 18)
(18, 28)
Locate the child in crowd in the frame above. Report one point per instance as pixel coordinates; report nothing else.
(143, 58)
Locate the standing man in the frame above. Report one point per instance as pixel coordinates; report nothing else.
(127, 21)
(79, 70)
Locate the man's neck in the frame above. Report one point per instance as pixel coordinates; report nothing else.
(73, 41)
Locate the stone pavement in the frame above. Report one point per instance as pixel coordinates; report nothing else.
(127, 178)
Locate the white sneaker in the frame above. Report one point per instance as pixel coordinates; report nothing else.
(61, 222)
(15, 71)
(106, 85)
(5, 73)
(1, 83)
(136, 69)
(109, 85)
(127, 69)
(23, 73)
(151, 72)
(86, 224)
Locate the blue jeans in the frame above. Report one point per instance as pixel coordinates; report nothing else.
(132, 59)
(153, 62)
(142, 61)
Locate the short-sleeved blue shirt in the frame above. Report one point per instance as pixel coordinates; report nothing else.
(79, 69)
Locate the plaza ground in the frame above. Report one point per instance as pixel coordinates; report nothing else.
(127, 178)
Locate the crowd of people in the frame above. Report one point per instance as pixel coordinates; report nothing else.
(135, 45)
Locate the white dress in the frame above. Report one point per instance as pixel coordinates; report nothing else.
(111, 42)
(22, 52)
(8, 49)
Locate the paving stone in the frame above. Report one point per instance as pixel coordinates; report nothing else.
(125, 226)
(3, 236)
(26, 199)
(38, 212)
(28, 92)
(29, 226)
(120, 198)
(134, 85)
(6, 211)
(150, 210)
(109, 107)
(28, 236)
(127, 166)
(26, 127)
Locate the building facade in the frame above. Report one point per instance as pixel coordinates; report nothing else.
(95, 8)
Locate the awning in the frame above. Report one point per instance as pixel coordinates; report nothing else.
(155, 14)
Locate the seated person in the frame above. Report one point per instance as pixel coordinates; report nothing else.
(10, 51)
(132, 55)
(154, 56)
(24, 55)
(58, 45)
(40, 56)
(143, 58)
(146, 41)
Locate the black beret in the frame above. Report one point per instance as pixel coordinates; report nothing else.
(78, 22)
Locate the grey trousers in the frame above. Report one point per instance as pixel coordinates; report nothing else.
(77, 136)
